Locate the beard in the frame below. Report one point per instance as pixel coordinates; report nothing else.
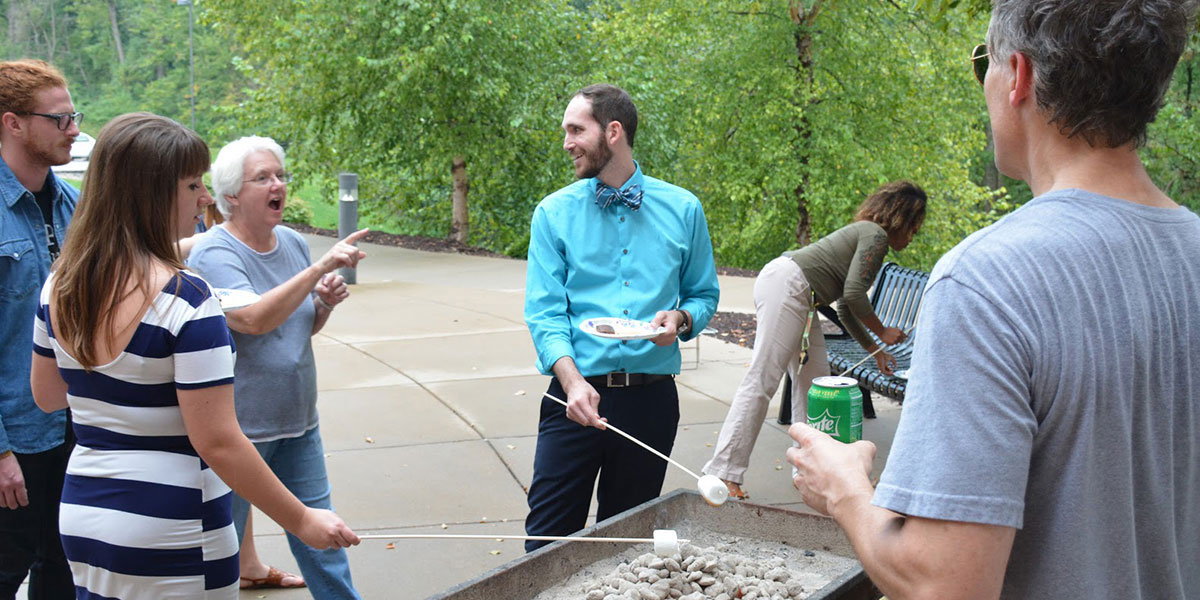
(49, 153)
(594, 160)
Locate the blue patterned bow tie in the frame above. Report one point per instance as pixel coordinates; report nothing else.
(606, 194)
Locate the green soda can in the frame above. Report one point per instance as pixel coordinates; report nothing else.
(835, 407)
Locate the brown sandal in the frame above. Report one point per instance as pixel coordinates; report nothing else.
(735, 491)
(273, 580)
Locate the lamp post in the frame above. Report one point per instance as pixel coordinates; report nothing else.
(191, 59)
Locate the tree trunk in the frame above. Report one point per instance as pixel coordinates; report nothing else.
(991, 174)
(459, 225)
(1187, 97)
(116, 31)
(18, 28)
(11, 18)
(803, 18)
(53, 42)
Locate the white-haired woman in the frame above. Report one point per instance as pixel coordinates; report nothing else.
(275, 384)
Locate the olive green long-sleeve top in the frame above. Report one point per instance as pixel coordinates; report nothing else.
(841, 267)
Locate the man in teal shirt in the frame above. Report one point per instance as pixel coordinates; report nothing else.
(616, 243)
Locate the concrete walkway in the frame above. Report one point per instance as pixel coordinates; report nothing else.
(429, 401)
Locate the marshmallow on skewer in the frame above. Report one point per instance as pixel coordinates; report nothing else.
(713, 490)
(666, 543)
(711, 487)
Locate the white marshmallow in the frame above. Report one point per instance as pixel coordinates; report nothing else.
(713, 490)
(666, 542)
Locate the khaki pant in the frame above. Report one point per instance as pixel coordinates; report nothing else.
(782, 302)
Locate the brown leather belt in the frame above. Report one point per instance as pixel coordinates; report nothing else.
(620, 380)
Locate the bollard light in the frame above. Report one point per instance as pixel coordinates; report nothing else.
(347, 216)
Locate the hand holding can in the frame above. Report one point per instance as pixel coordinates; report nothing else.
(835, 408)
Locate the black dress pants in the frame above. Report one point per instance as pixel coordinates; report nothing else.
(569, 457)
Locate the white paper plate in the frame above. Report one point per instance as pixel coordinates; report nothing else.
(623, 329)
(900, 374)
(234, 299)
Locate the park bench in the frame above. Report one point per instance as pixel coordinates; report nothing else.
(895, 296)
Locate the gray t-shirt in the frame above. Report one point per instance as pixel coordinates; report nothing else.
(275, 377)
(1056, 389)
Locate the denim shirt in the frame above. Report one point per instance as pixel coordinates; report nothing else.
(586, 261)
(24, 265)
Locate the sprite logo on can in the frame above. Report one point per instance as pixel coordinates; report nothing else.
(825, 423)
(835, 407)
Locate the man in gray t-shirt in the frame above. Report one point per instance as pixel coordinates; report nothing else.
(1050, 445)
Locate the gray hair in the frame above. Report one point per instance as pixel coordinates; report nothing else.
(1101, 68)
(229, 169)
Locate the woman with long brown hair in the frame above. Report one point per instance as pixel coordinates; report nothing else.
(839, 267)
(138, 348)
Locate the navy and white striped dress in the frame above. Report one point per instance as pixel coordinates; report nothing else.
(142, 516)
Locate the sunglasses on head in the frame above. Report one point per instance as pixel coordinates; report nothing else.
(979, 61)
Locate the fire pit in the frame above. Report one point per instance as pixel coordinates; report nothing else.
(686, 512)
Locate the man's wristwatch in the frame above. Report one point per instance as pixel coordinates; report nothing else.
(687, 324)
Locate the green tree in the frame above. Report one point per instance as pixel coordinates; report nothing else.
(895, 98)
(1172, 152)
(396, 91)
(154, 76)
(123, 55)
(779, 113)
(37, 28)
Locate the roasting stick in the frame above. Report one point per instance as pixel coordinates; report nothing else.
(712, 489)
(868, 357)
(638, 442)
(877, 351)
(666, 541)
(540, 538)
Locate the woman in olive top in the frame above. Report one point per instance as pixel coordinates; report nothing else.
(839, 267)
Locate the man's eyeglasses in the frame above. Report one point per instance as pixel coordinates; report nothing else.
(264, 179)
(63, 120)
(979, 61)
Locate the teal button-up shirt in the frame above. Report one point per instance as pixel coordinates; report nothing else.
(587, 262)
